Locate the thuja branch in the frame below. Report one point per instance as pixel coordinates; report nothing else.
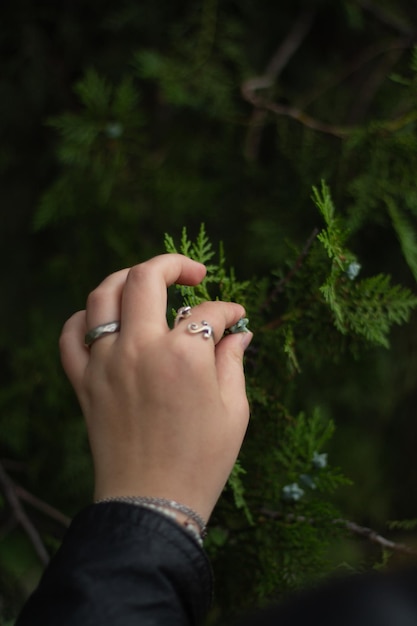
(20, 515)
(352, 527)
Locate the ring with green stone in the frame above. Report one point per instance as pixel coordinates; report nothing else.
(239, 327)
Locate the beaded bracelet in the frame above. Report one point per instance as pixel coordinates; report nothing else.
(194, 524)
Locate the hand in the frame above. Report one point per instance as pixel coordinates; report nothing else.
(166, 410)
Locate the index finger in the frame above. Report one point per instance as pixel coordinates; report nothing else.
(144, 299)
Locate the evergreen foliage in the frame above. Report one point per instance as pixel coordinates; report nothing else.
(123, 122)
(290, 512)
(368, 307)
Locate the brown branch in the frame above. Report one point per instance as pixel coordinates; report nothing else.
(42, 506)
(341, 132)
(274, 67)
(363, 531)
(375, 537)
(372, 84)
(250, 92)
(21, 517)
(353, 66)
(387, 18)
(249, 89)
(290, 45)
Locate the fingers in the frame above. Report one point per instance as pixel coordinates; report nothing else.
(103, 306)
(144, 299)
(231, 377)
(104, 303)
(137, 294)
(138, 298)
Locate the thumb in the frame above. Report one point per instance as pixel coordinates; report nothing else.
(230, 374)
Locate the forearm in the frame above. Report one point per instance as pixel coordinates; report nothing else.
(122, 565)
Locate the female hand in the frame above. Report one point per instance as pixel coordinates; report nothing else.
(166, 410)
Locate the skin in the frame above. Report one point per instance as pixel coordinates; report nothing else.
(166, 411)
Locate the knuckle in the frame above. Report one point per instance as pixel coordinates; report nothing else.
(137, 272)
(97, 297)
(68, 327)
(179, 349)
(65, 328)
(62, 341)
(185, 356)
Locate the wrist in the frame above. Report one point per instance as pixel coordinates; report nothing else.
(188, 519)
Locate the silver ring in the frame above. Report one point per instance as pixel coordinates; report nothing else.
(100, 331)
(204, 328)
(182, 313)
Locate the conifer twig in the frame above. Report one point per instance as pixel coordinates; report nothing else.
(21, 517)
(353, 527)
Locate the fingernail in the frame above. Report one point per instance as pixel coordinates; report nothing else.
(246, 338)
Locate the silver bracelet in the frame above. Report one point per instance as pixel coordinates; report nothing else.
(194, 524)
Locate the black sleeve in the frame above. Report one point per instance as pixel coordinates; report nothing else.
(122, 565)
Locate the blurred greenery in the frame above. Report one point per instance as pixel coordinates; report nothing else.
(122, 122)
